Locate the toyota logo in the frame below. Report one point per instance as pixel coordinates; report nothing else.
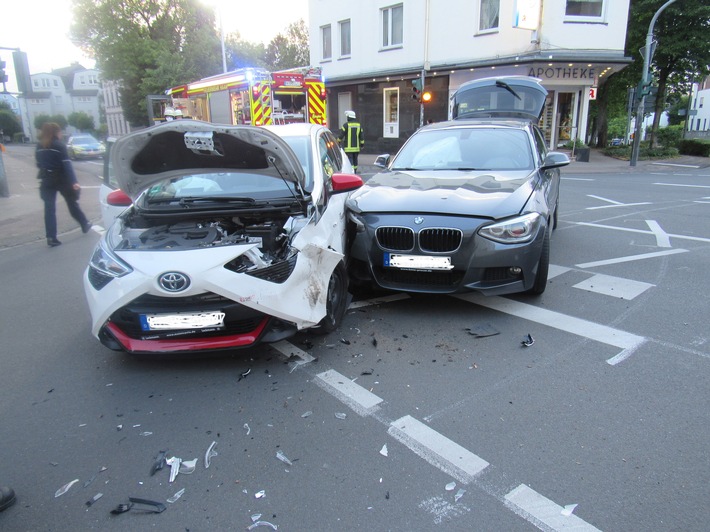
(174, 281)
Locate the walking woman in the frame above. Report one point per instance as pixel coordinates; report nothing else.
(57, 175)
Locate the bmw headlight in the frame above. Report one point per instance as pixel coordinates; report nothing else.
(107, 263)
(514, 230)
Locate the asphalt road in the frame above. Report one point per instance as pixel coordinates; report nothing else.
(403, 419)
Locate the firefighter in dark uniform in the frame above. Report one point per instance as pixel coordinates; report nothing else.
(352, 137)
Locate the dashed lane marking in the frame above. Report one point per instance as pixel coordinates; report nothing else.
(642, 231)
(681, 185)
(533, 507)
(630, 258)
(353, 395)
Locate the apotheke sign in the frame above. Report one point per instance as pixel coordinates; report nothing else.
(560, 72)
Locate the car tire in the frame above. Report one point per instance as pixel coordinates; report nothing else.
(543, 267)
(554, 216)
(336, 302)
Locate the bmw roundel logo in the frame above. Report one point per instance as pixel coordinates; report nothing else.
(174, 281)
(419, 220)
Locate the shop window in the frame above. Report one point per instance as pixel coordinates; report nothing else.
(392, 26)
(489, 15)
(326, 42)
(588, 9)
(344, 38)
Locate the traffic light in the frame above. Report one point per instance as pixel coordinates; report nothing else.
(417, 90)
(426, 97)
(3, 76)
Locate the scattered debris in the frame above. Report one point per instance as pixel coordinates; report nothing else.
(122, 508)
(341, 415)
(567, 510)
(244, 375)
(374, 342)
(155, 507)
(528, 342)
(281, 456)
(262, 523)
(246, 426)
(459, 494)
(482, 330)
(450, 486)
(94, 499)
(384, 451)
(174, 463)
(175, 497)
(344, 341)
(61, 491)
(119, 427)
(260, 494)
(146, 434)
(368, 372)
(187, 467)
(307, 414)
(210, 454)
(255, 517)
(158, 463)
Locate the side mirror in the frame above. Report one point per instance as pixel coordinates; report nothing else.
(346, 182)
(555, 159)
(382, 160)
(118, 198)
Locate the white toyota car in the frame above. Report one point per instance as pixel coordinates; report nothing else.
(233, 238)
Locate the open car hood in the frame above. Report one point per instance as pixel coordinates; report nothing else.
(184, 147)
(503, 97)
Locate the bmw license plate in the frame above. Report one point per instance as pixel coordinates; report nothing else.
(182, 320)
(417, 262)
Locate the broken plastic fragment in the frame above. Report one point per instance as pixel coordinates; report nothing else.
(61, 491)
(260, 494)
(122, 508)
(175, 497)
(450, 486)
(255, 517)
(158, 507)
(306, 414)
(527, 343)
(174, 464)
(187, 467)
(341, 415)
(94, 499)
(459, 494)
(246, 426)
(281, 456)
(210, 454)
(244, 375)
(383, 451)
(262, 523)
(146, 434)
(567, 510)
(482, 330)
(158, 463)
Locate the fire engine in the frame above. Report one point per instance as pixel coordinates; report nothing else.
(252, 96)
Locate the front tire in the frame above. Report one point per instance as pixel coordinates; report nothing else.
(336, 302)
(543, 267)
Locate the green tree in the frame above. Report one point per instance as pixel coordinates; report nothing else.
(289, 50)
(243, 54)
(149, 45)
(677, 110)
(82, 121)
(9, 121)
(42, 118)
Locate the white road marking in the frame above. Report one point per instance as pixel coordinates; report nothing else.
(678, 165)
(555, 270)
(289, 350)
(436, 449)
(642, 231)
(535, 508)
(662, 238)
(614, 286)
(704, 202)
(353, 395)
(680, 185)
(604, 199)
(443, 510)
(630, 258)
(378, 300)
(576, 179)
(613, 203)
(601, 333)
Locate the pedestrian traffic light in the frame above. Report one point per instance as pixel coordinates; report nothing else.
(417, 90)
(426, 97)
(3, 76)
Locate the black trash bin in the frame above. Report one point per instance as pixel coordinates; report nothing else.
(582, 155)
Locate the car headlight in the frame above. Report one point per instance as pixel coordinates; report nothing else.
(513, 231)
(107, 263)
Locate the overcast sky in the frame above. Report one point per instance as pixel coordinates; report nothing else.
(40, 28)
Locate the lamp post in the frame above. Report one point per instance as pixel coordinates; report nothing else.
(645, 84)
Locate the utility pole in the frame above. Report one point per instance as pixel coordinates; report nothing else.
(645, 84)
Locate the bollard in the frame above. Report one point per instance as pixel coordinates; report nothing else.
(4, 190)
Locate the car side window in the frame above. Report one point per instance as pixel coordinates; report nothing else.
(540, 144)
(326, 159)
(334, 151)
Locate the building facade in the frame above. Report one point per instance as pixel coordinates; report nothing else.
(372, 50)
(115, 121)
(698, 123)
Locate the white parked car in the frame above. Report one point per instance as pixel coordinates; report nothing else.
(232, 238)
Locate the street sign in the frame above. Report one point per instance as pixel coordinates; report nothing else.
(592, 93)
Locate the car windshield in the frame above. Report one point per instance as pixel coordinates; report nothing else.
(466, 148)
(301, 146)
(84, 140)
(224, 186)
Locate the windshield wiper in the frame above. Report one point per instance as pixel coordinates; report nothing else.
(221, 199)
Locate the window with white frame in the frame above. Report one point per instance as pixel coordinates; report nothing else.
(489, 15)
(326, 42)
(392, 26)
(585, 8)
(344, 38)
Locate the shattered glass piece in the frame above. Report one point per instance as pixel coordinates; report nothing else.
(94, 499)
(482, 330)
(527, 343)
(122, 508)
(384, 451)
(175, 497)
(368, 372)
(244, 375)
(459, 494)
(567, 510)
(255, 517)
(306, 414)
(158, 463)
(187, 467)
(262, 523)
(61, 491)
(174, 463)
(341, 415)
(210, 454)
(281, 456)
(119, 427)
(246, 426)
(86, 484)
(146, 434)
(260, 494)
(450, 486)
(344, 341)
(158, 507)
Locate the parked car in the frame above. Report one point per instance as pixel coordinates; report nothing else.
(231, 239)
(85, 147)
(467, 204)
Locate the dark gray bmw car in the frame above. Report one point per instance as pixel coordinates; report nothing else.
(467, 204)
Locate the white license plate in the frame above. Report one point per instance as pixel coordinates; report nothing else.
(418, 262)
(183, 320)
